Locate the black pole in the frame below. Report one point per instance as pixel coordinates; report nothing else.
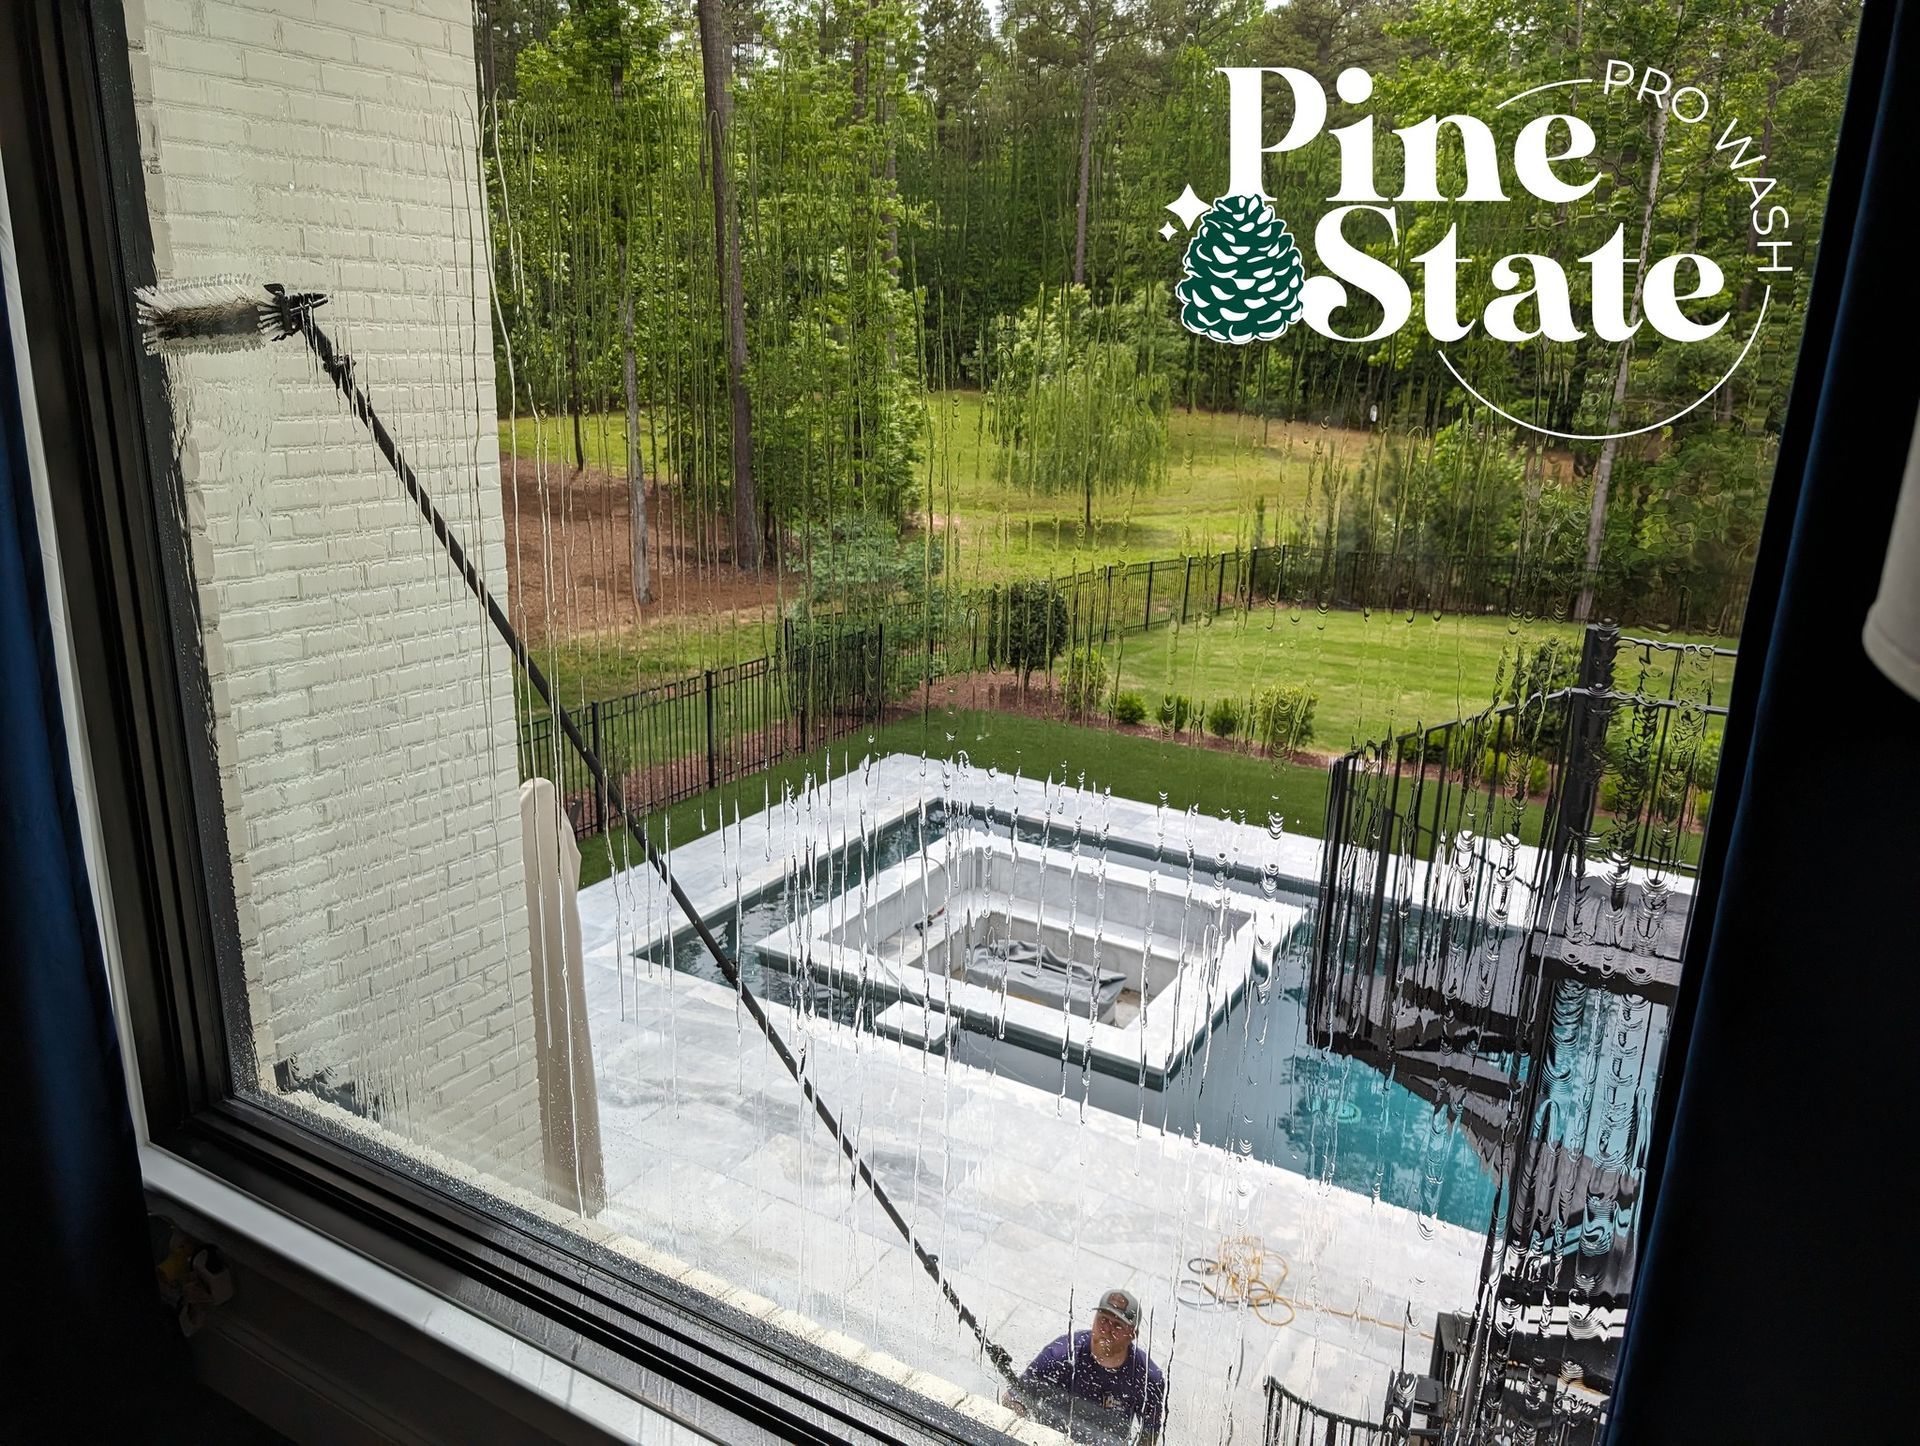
(339, 369)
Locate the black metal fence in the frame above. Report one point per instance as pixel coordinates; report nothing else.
(1097, 606)
(1450, 839)
(1292, 1421)
(1139, 596)
(1499, 928)
(679, 739)
(674, 740)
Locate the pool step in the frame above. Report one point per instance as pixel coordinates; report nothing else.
(919, 1025)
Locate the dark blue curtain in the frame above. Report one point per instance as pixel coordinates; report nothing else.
(1774, 1299)
(88, 1350)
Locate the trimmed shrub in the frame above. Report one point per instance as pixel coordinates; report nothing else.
(1129, 708)
(1174, 708)
(1084, 681)
(1537, 776)
(1283, 717)
(1223, 718)
(1493, 768)
(1026, 627)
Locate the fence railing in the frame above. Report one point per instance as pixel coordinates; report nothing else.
(679, 739)
(1140, 596)
(1292, 1421)
(1503, 909)
(1441, 840)
(674, 740)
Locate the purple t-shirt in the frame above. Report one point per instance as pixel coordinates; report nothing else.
(1134, 1388)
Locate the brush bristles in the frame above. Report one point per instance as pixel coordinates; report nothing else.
(219, 313)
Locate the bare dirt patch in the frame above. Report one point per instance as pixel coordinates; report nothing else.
(569, 567)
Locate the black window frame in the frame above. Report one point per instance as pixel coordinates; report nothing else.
(73, 172)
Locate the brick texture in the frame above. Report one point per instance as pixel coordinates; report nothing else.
(363, 714)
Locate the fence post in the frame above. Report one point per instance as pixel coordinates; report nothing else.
(1106, 620)
(799, 689)
(713, 757)
(1146, 617)
(1186, 589)
(1220, 585)
(1586, 741)
(593, 733)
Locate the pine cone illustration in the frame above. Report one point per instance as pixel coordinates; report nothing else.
(1244, 274)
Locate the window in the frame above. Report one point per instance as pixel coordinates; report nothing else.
(867, 687)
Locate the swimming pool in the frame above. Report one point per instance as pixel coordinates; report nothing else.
(1254, 1087)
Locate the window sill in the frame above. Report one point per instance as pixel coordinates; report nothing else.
(457, 1350)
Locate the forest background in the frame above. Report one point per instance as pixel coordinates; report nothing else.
(846, 307)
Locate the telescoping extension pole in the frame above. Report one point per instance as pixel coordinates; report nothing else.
(230, 312)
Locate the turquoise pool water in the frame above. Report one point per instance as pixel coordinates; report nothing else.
(1256, 1086)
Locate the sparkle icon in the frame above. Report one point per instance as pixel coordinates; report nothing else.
(1189, 208)
(1167, 232)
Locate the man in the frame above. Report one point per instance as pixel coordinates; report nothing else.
(1103, 1367)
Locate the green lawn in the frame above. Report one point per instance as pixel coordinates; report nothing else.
(1144, 768)
(1220, 466)
(585, 669)
(1376, 674)
(551, 440)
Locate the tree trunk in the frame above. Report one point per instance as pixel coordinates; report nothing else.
(889, 175)
(1610, 448)
(483, 51)
(726, 260)
(1086, 165)
(636, 477)
(629, 382)
(862, 287)
(573, 394)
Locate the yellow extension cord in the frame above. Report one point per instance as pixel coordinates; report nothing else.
(1235, 1277)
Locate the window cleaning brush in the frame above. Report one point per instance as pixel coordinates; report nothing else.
(227, 313)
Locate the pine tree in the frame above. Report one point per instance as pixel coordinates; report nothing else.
(1243, 274)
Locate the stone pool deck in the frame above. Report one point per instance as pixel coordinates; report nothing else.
(1033, 1203)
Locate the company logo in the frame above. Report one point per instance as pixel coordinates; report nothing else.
(1244, 278)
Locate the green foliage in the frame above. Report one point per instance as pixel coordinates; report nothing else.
(1283, 717)
(1085, 680)
(1129, 707)
(860, 563)
(1079, 405)
(1525, 680)
(1224, 718)
(1026, 627)
(1669, 781)
(602, 215)
(912, 216)
(1497, 765)
(1174, 708)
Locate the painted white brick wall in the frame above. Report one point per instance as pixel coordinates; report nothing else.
(363, 711)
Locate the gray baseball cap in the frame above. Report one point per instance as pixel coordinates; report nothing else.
(1122, 1305)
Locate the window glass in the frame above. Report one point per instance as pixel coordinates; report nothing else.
(1033, 686)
